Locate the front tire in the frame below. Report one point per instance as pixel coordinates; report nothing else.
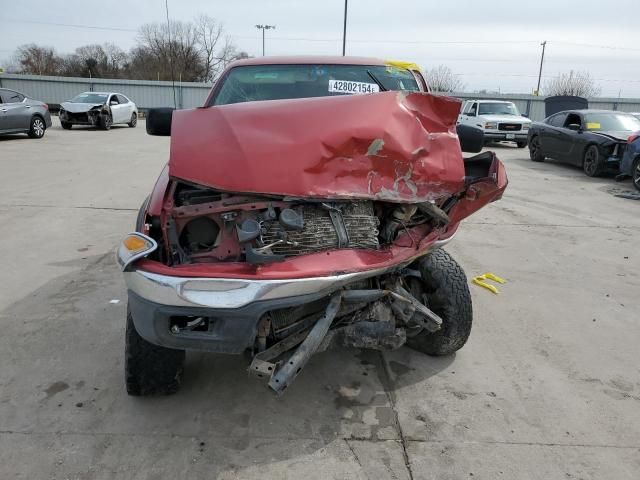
(521, 144)
(105, 122)
(591, 163)
(134, 120)
(37, 127)
(535, 150)
(445, 287)
(66, 125)
(635, 173)
(150, 369)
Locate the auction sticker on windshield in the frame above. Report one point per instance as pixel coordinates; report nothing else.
(345, 86)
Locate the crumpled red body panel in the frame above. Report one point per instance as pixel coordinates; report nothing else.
(389, 146)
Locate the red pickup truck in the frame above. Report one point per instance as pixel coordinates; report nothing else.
(303, 207)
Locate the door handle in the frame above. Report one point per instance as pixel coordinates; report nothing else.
(3, 109)
(28, 106)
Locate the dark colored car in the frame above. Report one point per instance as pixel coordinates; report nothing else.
(592, 139)
(302, 208)
(630, 164)
(21, 114)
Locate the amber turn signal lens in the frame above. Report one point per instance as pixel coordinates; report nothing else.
(134, 243)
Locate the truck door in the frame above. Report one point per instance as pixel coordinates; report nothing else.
(469, 113)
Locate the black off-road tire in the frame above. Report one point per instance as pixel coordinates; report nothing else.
(592, 162)
(134, 120)
(66, 125)
(37, 127)
(521, 144)
(447, 292)
(150, 369)
(105, 122)
(535, 150)
(635, 173)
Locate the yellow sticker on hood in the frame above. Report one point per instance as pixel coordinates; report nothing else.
(593, 126)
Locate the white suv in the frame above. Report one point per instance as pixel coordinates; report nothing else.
(498, 119)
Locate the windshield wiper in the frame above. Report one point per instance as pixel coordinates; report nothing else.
(378, 82)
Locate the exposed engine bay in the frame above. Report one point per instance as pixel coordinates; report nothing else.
(207, 226)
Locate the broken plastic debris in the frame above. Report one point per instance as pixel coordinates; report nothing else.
(488, 276)
(114, 301)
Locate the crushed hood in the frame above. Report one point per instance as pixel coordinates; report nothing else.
(79, 107)
(389, 146)
(621, 136)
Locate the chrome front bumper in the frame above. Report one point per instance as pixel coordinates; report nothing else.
(227, 293)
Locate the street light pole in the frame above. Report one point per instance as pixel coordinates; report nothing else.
(344, 30)
(263, 28)
(544, 44)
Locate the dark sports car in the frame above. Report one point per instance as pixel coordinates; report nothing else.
(592, 139)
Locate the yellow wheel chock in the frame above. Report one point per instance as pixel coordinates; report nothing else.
(488, 276)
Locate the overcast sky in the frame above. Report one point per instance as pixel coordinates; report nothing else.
(504, 36)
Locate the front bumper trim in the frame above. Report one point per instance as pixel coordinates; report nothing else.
(227, 293)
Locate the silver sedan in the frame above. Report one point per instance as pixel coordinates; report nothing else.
(21, 114)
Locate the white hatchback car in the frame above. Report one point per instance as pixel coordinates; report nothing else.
(100, 109)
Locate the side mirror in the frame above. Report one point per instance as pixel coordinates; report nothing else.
(574, 126)
(525, 115)
(471, 114)
(113, 102)
(159, 121)
(471, 138)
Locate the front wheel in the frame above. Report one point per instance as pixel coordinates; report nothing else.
(535, 150)
(66, 125)
(521, 144)
(445, 290)
(37, 128)
(150, 369)
(105, 122)
(591, 163)
(134, 120)
(635, 173)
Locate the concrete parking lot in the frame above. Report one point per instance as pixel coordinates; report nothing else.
(548, 386)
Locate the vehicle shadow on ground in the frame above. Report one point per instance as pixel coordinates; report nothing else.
(88, 128)
(15, 136)
(63, 372)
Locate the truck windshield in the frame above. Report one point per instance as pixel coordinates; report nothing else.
(498, 108)
(277, 82)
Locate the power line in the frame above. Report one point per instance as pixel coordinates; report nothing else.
(359, 40)
(69, 25)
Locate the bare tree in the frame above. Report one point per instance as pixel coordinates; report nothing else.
(580, 84)
(192, 51)
(36, 60)
(169, 51)
(209, 37)
(442, 79)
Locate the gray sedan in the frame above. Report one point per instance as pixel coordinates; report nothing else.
(21, 114)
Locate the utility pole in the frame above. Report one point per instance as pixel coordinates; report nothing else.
(344, 29)
(263, 28)
(544, 44)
